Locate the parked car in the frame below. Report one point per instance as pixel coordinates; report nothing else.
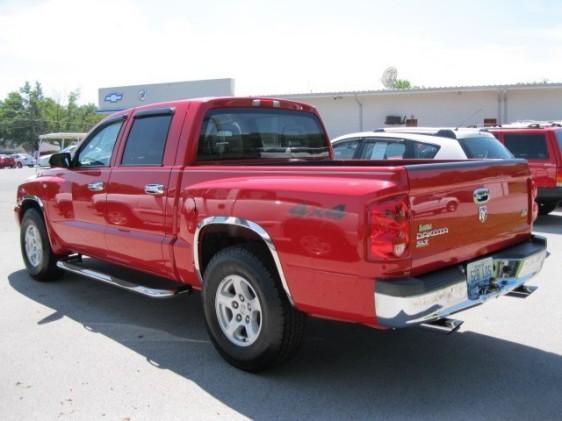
(420, 143)
(540, 143)
(7, 161)
(241, 198)
(23, 160)
(377, 145)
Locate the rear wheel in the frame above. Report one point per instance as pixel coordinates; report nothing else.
(38, 257)
(547, 206)
(19, 165)
(249, 318)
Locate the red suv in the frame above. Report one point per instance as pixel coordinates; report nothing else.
(541, 145)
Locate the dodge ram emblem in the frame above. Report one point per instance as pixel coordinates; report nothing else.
(482, 214)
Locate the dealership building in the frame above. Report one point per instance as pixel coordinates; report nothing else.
(352, 111)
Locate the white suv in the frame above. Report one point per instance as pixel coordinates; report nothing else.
(420, 143)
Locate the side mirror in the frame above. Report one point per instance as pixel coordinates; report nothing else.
(60, 160)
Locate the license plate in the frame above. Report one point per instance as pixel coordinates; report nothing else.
(478, 275)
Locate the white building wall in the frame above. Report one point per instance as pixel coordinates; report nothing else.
(432, 109)
(340, 116)
(545, 104)
(341, 113)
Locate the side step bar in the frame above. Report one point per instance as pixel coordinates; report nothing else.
(121, 283)
(445, 325)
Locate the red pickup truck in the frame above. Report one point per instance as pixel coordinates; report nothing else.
(241, 198)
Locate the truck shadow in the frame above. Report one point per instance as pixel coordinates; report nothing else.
(549, 224)
(342, 371)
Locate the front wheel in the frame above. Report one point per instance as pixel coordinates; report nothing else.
(19, 165)
(249, 318)
(38, 257)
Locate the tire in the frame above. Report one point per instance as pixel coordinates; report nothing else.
(261, 341)
(545, 207)
(38, 257)
(19, 165)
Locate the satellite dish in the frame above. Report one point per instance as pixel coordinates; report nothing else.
(389, 76)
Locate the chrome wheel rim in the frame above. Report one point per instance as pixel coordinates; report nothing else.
(33, 245)
(238, 310)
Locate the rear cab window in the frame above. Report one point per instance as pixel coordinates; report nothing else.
(484, 147)
(257, 134)
(527, 145)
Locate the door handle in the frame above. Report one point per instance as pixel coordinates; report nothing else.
(154, 189)
(97, 186)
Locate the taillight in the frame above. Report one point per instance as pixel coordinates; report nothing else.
(534, 204)
(559, 178)
(389, 223)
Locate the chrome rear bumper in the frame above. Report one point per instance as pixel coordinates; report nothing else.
(409, 301)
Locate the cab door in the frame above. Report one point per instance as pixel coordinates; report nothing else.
(137, 192)
(80, 217)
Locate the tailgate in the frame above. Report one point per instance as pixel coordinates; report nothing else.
(462, 210)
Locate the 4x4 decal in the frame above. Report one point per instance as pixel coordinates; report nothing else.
(302, 211)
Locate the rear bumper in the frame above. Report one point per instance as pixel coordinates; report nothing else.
(409, 301)
(549, 193)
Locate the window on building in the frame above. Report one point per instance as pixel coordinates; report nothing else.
(147, 140)
(526, 146)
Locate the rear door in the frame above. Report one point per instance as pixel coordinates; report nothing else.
(137, 191)
(534, 147)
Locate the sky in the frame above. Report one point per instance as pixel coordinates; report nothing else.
(276, 47)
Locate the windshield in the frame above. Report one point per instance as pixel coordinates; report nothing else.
(248, 133)
(484, 147)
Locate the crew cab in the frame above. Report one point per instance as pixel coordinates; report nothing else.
(540, 143)
(241, 198)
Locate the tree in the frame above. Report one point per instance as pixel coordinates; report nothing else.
(402, 84)
(27, 113)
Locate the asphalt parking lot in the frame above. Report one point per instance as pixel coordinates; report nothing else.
(76, 349)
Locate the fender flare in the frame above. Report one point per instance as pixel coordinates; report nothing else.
(243, 223)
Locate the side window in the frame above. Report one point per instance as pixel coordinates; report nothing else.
(346, 149)
(526, 146)
(97, 150)
(146, 140)
(383, 149)
(422, 150)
